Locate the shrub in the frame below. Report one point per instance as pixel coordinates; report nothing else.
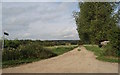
(27, 52)
(113, 48)
(11, 43)
(10, 54)
(110, 51)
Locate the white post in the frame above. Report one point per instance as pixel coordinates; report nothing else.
(3, 41)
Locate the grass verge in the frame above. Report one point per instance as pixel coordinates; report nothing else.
(99, 52)
(13, 63)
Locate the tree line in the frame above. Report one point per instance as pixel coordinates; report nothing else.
(16, 43)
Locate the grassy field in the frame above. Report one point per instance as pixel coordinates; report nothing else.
(62, 49)
(99, 52)
(56, 50)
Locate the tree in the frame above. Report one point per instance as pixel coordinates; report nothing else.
(113, 48)
(94, 21)
(97, 22)
(83, 19)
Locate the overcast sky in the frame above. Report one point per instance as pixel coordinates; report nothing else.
(40, 20)
(0, 20)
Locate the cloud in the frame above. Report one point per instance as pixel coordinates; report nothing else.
(39, 0)
(0, 21)
(40, 20)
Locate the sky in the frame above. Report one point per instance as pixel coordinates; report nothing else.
(0, 21)
(40, 20)
(60, 0)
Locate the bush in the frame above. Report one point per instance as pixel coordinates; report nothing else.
(10, 54)
(110, 51)
(113, 48)
(11, 43)
(27, 52)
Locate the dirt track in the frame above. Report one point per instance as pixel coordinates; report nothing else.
(71, 62)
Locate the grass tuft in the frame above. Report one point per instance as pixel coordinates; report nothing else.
(79, 49)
